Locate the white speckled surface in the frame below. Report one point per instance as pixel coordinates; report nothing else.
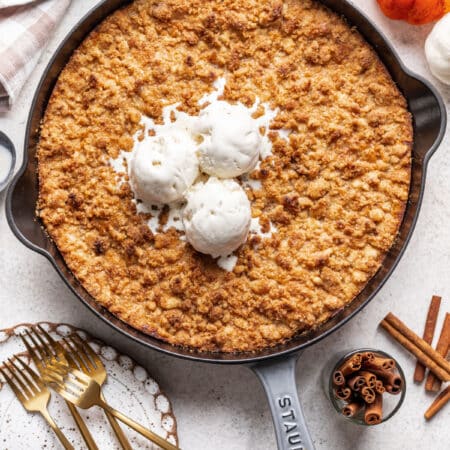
(224, 407)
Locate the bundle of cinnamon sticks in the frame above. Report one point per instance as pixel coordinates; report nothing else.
(361, 381)
(427, 357)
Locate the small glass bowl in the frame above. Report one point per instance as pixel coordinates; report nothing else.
(7, 145)
(391, 403)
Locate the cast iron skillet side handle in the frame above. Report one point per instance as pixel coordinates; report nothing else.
(278, 379)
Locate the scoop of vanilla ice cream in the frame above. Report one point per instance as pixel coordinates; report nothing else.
(163, 167)
(437, 50)
(216, 217)
(231, 140)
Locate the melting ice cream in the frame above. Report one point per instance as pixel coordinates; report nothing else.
(193, 160)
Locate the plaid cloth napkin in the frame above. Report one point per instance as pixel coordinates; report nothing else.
(25, 27)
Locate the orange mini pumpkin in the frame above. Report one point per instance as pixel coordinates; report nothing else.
(396, 9)
(416, 12)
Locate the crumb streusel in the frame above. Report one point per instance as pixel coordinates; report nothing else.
(336, 191)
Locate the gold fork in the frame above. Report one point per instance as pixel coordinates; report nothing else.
(43, 356)
(80, 356)
(83, 391)
(32, 393)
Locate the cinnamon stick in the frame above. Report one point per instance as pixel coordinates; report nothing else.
(368, 377)
(392, 381)
(343, 393)
(373, 412)
(438, 403)
(417, 346)
(351, 365)
(368, 394)
(396, 382)
(367, 356)
(428, 334)
(383, 374)
(356, 383)
(351, 409)
(338, 378)
(380, 363)
(432, 384)
(379, 387)
(392, 389)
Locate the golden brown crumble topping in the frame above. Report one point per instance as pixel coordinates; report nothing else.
(336, 191)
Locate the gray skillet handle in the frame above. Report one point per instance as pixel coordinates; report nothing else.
(278, 378)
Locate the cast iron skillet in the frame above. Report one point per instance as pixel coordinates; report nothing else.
(275, 367)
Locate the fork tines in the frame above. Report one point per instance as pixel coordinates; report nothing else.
(42, 344)
(23, 380)
(31, 391)
(81, 353)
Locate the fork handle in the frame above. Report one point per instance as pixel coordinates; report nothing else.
(84, 430)
(139, 428)
(117, 430)
(67, 445)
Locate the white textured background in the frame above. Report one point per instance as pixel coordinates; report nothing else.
(224, 407)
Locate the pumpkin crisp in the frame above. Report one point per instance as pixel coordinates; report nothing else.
(335, 190)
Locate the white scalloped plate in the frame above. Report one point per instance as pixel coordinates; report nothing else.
(128, 388)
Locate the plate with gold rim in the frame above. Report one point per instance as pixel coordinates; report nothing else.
(129, 388)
